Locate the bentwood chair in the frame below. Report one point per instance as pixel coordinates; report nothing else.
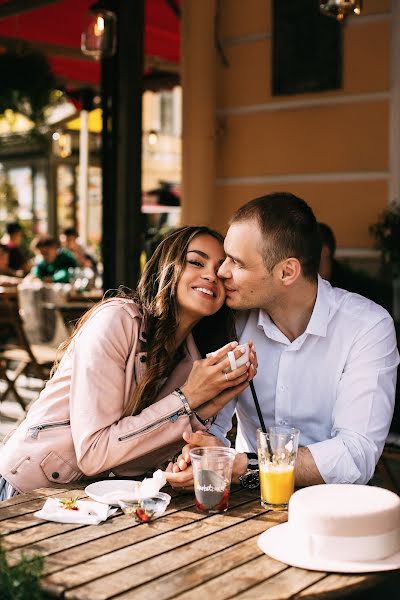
(17, 355)
(71, 312)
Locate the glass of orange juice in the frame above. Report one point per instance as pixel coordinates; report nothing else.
(277, 451)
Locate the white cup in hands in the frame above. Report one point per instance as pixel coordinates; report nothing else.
(234, 362)
(207, 379)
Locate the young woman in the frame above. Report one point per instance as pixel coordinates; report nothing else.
(132, 379)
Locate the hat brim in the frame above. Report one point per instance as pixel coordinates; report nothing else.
(279, 542)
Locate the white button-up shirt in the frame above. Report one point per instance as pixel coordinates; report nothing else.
(336, 383)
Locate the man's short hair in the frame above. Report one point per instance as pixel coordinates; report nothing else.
(327, 237)
(47, 242)
(12, 228)
(68, 231)
(289, 229)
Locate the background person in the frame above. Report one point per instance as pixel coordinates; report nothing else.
(69, 240)
(53, 268)
(13, 239)
(327, 358)
(7, 275)
(132, 379)
(341, 275)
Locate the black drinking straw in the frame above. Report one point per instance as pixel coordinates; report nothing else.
(258, 409)
(260, 417)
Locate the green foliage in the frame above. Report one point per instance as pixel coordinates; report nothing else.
(27, 83)
(387, 234)
(8, 198)
(22, 580)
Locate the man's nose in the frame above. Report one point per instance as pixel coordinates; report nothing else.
(222, 271)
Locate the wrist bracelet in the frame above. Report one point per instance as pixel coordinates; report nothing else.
(204, 422)
(184, 401)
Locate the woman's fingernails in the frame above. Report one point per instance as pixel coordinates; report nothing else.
(242, 350)
(234, 344)
(247, 364)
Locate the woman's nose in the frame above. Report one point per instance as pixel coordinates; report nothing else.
(210, 274)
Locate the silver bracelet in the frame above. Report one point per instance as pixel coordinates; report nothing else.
(184, 401)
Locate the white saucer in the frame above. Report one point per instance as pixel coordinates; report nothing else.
(111, 491)
(279, 542)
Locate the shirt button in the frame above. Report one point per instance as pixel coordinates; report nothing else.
(55, 475)
(281, 388)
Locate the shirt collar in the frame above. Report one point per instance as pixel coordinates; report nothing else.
(318, 323)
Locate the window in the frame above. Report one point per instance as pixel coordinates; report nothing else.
(307, 48)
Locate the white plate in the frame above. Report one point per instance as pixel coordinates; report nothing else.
(111, 491)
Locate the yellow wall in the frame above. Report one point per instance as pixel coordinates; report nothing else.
(334, 155)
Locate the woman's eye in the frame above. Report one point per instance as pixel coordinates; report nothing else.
(196, 263)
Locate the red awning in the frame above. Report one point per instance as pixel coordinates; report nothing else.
(56, 30)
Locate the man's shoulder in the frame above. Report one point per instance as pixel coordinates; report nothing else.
(356, 309)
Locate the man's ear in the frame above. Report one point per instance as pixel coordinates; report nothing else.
(290, 270)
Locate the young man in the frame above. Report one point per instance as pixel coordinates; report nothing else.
(327, 358)
(55, 262)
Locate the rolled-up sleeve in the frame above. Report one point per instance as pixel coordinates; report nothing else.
(223, 422)
(363, 409)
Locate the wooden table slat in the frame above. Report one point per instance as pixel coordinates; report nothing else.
(239, 579)
(42, 530)
(175, 552)
(197, 573)
(283, 585)
(22, 498)
(23, 508)
(145, 547)
(183, 555)
(332, 585)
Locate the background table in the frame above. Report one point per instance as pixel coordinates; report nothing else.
(184, 555)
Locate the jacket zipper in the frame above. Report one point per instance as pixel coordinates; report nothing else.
(36, 429)
(172, 417)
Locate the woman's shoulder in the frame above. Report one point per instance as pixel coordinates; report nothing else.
(113, 313)
(114, 319)
(124, 305)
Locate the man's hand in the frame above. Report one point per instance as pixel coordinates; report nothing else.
(213, 406)
(180, 473)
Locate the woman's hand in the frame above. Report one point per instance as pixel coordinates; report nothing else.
(207, 379)
(180, 473)
(213, 406)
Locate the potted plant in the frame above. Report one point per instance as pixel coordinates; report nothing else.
(386, 232)
(21, 581)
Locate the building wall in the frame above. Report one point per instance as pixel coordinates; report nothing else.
(330, 148)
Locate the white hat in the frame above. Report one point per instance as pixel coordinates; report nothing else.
(341, 528)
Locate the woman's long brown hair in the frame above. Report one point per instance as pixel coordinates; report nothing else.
(156, 295)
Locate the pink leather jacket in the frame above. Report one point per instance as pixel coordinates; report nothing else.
(76, 427)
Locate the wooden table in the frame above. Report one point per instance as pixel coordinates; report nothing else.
(183, 555)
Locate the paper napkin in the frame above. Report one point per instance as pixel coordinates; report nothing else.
(88, 513)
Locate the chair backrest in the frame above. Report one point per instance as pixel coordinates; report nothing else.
(71, 312)
(10, 318)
